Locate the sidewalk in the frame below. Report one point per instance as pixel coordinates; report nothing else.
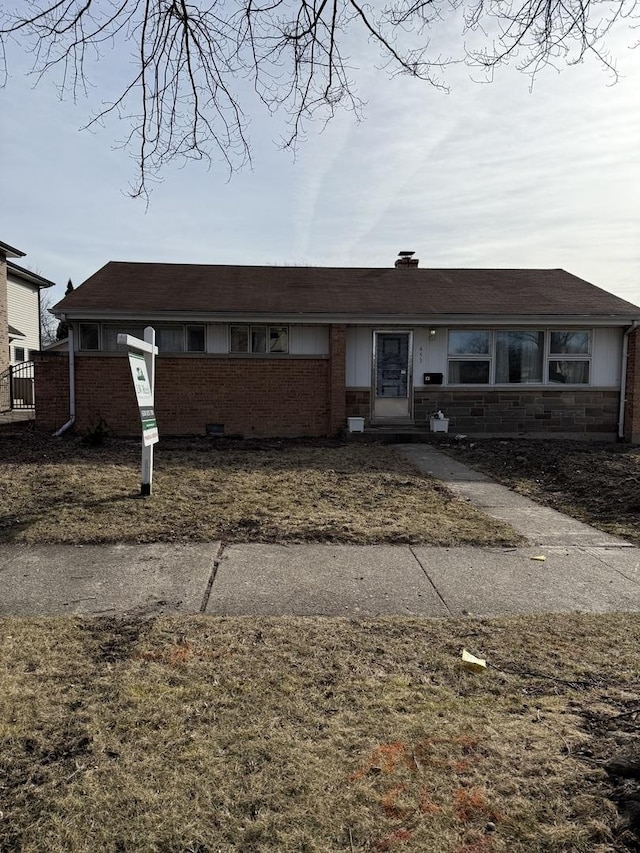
(583, 569)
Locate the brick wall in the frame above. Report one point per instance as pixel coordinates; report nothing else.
(51, 380)
(288, 397)
(251, 397)
(632, 407)
(337, 377)
(4, 316)
(513, 411)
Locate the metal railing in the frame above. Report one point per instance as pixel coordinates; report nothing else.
(17, 387)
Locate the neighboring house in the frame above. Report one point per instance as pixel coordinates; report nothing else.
(19, 326)
(6, 252)
(23, 304)
(262, 351)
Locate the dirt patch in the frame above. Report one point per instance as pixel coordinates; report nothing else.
(315, 734)
(63, 491)
(595, 482)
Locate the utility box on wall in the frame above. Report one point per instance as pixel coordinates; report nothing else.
(432, 379)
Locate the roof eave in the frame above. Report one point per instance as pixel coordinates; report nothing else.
(89, 315)
(27, 275)
(10, 251)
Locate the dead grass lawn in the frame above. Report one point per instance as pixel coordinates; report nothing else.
(61, 491)
(314, 735)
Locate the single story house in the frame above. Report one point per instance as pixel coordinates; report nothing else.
(287, 351)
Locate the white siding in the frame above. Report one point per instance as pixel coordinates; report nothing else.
(24, 315)
(359, 352)
(607, 353)
(430, 355)
(309, 340)
(217, 338)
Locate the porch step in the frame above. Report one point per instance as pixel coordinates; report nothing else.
(396, 434)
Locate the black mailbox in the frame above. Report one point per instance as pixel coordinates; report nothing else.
(433, 378)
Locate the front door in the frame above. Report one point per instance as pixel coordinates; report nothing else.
(392, 375)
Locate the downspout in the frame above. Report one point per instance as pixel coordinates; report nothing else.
(623, 378)
(72, 385)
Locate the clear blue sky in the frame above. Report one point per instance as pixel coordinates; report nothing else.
(490, 175)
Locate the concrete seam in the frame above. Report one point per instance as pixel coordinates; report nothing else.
(212, 577)
(594, 548)
(435, 588)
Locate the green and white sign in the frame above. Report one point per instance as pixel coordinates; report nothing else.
(144, 395)
(142, 361)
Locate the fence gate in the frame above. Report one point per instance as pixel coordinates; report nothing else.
(16, 387)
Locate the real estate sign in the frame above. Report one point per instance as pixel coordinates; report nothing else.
(144, 395)
(142, 361)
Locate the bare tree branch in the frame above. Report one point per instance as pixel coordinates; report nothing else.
(190, 58)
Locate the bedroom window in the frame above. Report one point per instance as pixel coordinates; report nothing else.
(259, 340)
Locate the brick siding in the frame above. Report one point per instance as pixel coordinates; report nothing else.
(251, 397)
(289, 397)
(632, 406)
(337, 377)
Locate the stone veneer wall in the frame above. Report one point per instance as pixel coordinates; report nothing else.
(492, 410)
(358, 403)
(497, 410)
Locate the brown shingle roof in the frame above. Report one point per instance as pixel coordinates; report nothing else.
(145, 288)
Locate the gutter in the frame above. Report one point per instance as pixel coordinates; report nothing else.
(72, 386)
(623, 377)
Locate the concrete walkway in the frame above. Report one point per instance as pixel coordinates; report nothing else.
(539, 524)
(583, 570)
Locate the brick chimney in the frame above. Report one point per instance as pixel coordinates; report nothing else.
(406, 259)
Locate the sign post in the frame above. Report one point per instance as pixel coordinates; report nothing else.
(142, 360)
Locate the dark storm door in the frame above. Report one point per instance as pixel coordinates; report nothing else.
(392, 375)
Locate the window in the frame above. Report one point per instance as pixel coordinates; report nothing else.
(469, 343)
(170, 338)
(469, 369)
(239, 339)
(575, 370)
(259, 339)
(278, 339)
(571, 372)
(469, 372)
(110, 336)
(195, 339)
(89, 337)
(574, 343)
(519, 357)
(18, 354)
